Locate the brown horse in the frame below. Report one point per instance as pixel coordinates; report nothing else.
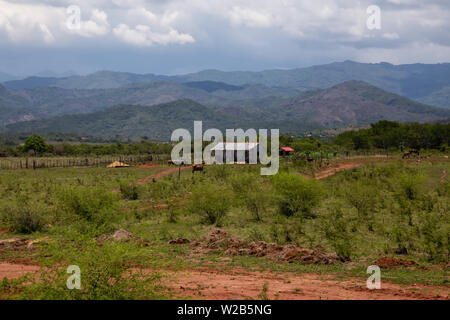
(406, 155)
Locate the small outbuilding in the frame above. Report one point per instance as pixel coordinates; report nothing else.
(117, 164)
(240, 151)
(285, 151)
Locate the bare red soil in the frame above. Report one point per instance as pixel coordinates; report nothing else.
(241, 284)
(160, 174)
(14, 271)
(148, 165)
(325, 173)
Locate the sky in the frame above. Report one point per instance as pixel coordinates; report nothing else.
(182, 36)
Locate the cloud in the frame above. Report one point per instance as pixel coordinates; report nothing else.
(97, 25)
(250, 17)
(390, 36)
(258, 33)
(151, 28)
(143, 36)
(27, 23)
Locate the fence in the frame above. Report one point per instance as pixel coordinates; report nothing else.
(70, 162)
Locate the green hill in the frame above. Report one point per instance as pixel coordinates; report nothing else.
(349, 103)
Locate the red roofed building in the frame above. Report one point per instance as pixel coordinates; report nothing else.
(285, 151)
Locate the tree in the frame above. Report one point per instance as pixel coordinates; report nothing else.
(35, 143)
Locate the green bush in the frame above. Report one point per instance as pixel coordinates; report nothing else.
(95, 206)
(129, 191)
(336, 228)
(220, 172)
(105, 275)
(24, 219)
(211, 201)
(436, 236)
(243, 183)
(364, 197)
(256, 202)
(296, 194)
(410, 186)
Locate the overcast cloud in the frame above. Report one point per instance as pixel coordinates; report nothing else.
(178, 36)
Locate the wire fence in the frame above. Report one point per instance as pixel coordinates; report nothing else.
(12, 163)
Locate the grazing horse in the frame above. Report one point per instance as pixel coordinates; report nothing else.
(406, 155)
(197, 167)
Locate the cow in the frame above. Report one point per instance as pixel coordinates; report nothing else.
(411, 151)
(198, 167)
(406, 155)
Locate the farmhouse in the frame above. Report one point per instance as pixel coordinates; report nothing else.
(240, 151)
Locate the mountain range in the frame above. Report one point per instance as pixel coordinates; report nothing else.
(426, 83)
(156, 109)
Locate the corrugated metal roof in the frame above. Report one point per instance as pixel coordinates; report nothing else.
(235, 146)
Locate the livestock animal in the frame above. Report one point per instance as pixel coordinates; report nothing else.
(197, 167)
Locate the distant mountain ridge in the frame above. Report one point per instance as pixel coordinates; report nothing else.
(46, 102)
(349, 103)
(428, 83)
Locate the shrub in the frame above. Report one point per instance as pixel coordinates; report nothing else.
(410, 186)
(220, 171)
(363, 197)
(296, 194)
(96, 206)
(129, 191)
(211, 201)
(285, 232)
(105, 275)
(335, 226)
(243, 183)
(435, 236)
(256, 202)
(24, 219)
(248, 191)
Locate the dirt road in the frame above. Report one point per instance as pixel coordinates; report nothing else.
(14, 271)
(237, 283)
(325, 173)
(241, 284)
(161, 174)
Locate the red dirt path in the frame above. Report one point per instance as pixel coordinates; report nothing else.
(325, 173)
(14, 271)
(160, 174)
(241, 284)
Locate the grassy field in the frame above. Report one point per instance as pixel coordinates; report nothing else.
(380, 208)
